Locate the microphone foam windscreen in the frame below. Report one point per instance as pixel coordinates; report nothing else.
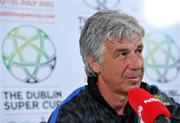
(146, 105)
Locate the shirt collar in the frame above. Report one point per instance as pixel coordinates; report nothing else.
(93, 89)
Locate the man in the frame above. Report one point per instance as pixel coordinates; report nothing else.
(111, 47)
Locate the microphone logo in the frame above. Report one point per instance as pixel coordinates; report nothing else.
(151, 100)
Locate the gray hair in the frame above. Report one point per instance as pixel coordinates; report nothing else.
(107, 24)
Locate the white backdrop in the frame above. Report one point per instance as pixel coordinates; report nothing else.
(40, 62)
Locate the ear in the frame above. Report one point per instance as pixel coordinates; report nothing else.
(95, 66)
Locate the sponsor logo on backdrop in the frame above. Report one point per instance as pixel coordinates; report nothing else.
(162, 57)
(97, 5)
(101, 4)
(29, 54)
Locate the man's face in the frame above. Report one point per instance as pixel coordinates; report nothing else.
(123, 66)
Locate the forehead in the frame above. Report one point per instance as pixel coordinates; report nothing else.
(134, 40)
(123, 43)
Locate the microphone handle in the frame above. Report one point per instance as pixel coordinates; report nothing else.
(162, 119)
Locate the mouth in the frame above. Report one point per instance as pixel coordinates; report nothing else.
(134, 81)
(134, 78)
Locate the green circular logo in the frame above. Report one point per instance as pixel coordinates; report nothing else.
(101, 4)
(162, 57)
(29, 54)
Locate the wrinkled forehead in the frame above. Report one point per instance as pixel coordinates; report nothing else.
(129, 43)
(134, 38)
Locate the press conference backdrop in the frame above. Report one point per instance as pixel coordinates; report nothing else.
(40, 63)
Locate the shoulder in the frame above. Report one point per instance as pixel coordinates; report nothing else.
(153, 89)
(66, 111)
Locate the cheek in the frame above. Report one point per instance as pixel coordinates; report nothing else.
(117, 70)
(112, 69)
(121, 67)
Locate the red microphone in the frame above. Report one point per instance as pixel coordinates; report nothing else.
(147, 106)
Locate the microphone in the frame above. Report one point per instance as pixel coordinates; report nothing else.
(150, 109)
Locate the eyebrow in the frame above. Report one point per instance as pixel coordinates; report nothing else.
(120, 50)
(141, 46)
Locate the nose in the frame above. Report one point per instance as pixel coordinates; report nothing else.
(135, 62)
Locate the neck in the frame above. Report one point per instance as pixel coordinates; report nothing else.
(116, 100)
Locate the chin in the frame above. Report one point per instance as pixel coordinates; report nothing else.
(134, 86)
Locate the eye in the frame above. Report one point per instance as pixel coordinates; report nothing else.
(121, 54)
(124, 53)
(139, 50)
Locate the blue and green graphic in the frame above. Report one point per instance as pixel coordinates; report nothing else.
(101, 4)
(29, 54)
(162, 57)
